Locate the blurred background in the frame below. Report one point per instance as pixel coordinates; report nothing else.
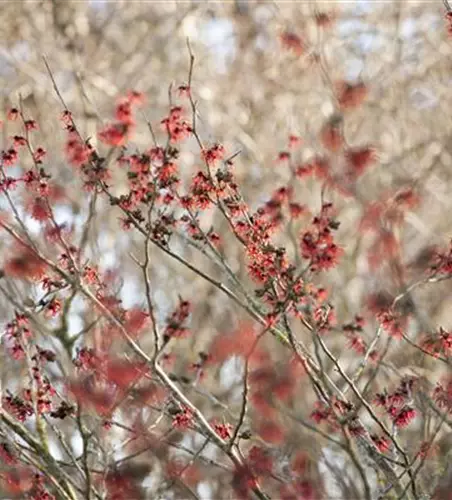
(263, 70)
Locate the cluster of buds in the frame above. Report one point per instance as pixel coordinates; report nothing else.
(17, 333)
(398, 404)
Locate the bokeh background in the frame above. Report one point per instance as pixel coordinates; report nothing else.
(252, 92)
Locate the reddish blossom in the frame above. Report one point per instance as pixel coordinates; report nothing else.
(39, 154)
(18, 482)
(223, 430)
(331, 134)
(31, 125)
(100, 399)
(283, 156)
(39, 209)
(183, 419)
(115, 134)
(13, 114)
(6, 454)
(381, 442)
(359, 159)
(90, 275)
(292, 42)
(66, 117)
(357, 344)
(9, 157)
(271, 432)
(294, 141)
(402, 418)
(177, 128)
(124, 114)
(136, 321)
(78, 153)
(213, 154)
(19, 141)
(442, 394)
(260, 461)
(176, 327)
(54, 307)
(243, 481)
(25, 265)
(392, 323)
(349, 95)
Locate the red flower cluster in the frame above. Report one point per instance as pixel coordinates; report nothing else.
(9, 157)
(317, 244)
(17, 406)
(78, 153)
(438, 343)
(398, 404)
(381, 442)
(117, 134)
(402, 417)
(350, 95)
(175, 327)
(183, 419)
(17, 333)
(25, 265)
(292, 42)
(13, 114)
(359, 159)
(392, 323)
(176, 126)
(6, 455)
(442, 394)
(331, 134)
(448, 17)
(223, 430)
(201, 191)
(442, 261)
(213, 154)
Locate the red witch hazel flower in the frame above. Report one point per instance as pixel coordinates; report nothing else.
(176, 322)
(54, 307)
(25, 265)
(391, 323)
(115, 134)
(260, 460)
(438, 343)
(448, 17)
(178, 129)
(331, 134)
(402, 418)
(294, 141)
(183, 419)
(442, 394)
(318, 245)
(77, 151)
(349, 95)
(31, 125)
(6, 455)
(223, 430)
(9, 157)
(213, 154)
(292, 42)
(13, 114)
(359, 159)
(381, 442)
(442, 261)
